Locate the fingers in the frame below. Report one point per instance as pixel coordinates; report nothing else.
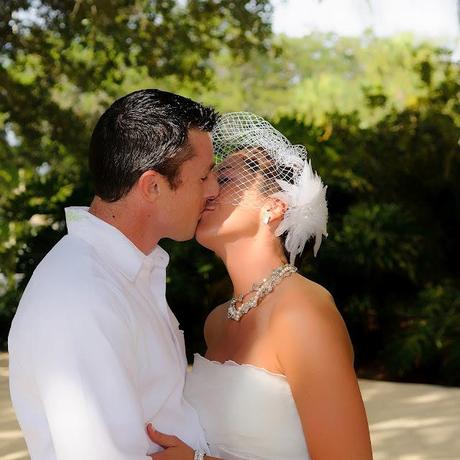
(158, 456)
(162, 439)
(150, 431)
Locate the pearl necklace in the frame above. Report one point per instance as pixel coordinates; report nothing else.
(261, 289)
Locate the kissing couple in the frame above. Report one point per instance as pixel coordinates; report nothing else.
(97, 360)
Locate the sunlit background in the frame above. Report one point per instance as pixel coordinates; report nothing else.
(438, 20)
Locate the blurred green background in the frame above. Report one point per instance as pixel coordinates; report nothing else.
(380, 118)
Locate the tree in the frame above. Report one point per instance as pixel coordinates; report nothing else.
(380, 119)
(391, 257)
(62, 63)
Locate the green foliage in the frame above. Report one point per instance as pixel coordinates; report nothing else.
(380, 119)
(315, 76)
(62, 63)
(427, 339)
(368, 231)
(394, 200)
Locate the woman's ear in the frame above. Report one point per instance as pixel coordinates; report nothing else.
(273, 210)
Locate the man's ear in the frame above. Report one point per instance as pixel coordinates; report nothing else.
(150, 184)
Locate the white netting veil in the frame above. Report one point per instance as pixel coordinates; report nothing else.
(253, 160)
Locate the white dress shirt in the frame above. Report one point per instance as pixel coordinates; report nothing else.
(95, 351)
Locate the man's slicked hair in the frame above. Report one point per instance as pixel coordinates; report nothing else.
(144, 130)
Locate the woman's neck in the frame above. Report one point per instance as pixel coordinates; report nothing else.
(248, 262)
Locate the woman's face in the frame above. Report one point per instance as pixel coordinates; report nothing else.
(235, 214)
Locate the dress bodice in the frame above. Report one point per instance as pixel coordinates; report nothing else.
(247, 412)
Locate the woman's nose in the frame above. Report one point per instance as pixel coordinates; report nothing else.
(213, 186)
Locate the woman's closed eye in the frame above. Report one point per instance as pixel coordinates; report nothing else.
(206, 176)
(222, 180)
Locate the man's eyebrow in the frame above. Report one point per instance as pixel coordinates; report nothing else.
(212, 165)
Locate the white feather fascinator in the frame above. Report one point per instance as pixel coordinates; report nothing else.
(260, 155)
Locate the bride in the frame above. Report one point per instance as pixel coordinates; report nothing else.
(277, 381)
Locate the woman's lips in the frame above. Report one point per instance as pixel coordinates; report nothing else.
(204, 213)
(209, 207)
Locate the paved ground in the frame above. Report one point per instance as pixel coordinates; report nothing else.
(407, 422)
(412, 422)
(12, 446)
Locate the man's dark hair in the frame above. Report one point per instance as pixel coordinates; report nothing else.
(144, 130)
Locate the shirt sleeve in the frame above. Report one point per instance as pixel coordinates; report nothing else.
(86, 376)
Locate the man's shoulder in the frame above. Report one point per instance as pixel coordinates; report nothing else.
(72, 262)
(70, 276)
(69, 287)
(65, 255)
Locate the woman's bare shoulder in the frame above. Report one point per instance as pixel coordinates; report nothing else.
(302, 293)
(214, 322)
(309, 306)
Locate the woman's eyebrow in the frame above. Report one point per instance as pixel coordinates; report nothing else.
(224, 168)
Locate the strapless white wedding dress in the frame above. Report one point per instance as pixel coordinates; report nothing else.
(248, 413)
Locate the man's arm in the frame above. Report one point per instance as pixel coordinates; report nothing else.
(84, 365)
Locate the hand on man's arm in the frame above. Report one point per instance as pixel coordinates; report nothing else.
(175, 449)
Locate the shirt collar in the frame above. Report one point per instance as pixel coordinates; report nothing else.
(111, 244)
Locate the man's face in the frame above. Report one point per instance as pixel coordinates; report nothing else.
(198, 183)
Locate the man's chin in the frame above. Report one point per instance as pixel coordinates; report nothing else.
(200, 235)
(185, 236)
(201, 241)
(201, 225)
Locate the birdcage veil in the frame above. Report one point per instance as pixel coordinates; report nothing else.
(255, 159)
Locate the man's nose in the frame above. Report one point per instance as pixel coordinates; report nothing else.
(213, 189)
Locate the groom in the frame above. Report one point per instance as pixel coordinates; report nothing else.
(95, 351)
